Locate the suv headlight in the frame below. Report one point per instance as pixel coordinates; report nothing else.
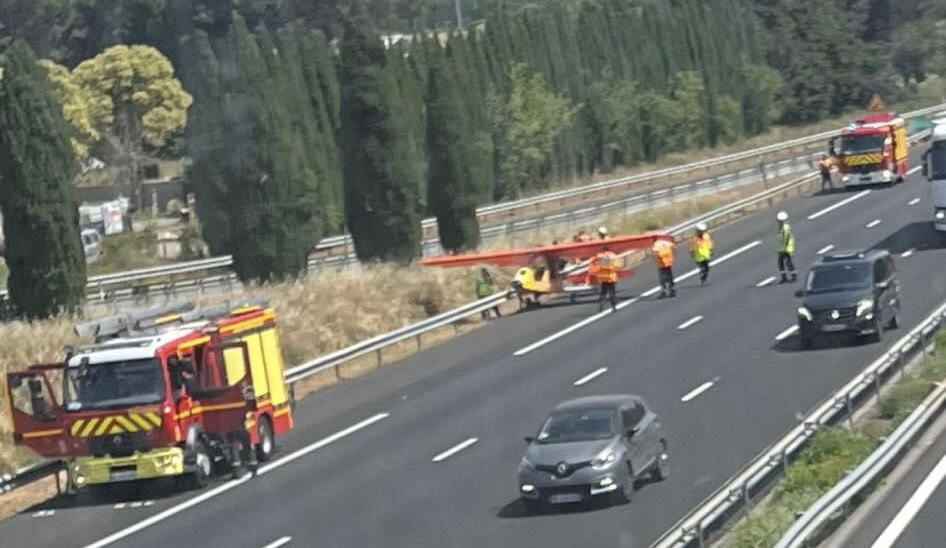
(603, 460)
(941, 214)
(864, 306)
(805, 313)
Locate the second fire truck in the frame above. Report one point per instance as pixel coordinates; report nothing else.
(874, 150)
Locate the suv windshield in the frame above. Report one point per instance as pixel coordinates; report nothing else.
(578, 425)
(114, 384)
(839, 277)
(855, 144)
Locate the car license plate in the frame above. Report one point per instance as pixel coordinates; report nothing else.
(565, 497)
(839, 327)
(122, 475)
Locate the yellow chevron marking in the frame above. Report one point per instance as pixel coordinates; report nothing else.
(126, 423)
(116, 429)
(140, 421)
(154, 417)
(89, 427)
(76, 426)
(103, 427)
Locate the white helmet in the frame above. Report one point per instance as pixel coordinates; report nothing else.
(602, 231)
(701, 227)
(782, 216)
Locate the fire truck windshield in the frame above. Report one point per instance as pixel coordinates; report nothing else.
(114, 385)
(856, 144)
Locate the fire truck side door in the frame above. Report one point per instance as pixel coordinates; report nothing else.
(35, 412)
(219, 394)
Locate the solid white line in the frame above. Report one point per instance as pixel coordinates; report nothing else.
(787, 333)
(591, 376)
(622, 305)
(455, 449)
(174, 510)
(277, 543)
(766, 281)
(825, 249)
(912, 507)
(689, 322)
(914, 170)
(913, 202)
(697, 391)
(908, 252)
(873, 223)
(842, 203)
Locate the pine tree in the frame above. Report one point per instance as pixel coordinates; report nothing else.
(381, 171)
(44, 252)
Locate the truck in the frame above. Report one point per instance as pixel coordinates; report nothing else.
(874, 150)
(173, 391)
(934, 169)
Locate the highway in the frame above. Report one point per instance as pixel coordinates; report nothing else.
(424, 452)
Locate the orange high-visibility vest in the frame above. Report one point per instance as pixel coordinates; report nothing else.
(607, 267)
(663, 253)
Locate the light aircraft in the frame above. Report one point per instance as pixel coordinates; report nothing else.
(543, 270)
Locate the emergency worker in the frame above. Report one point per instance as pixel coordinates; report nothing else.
(240, 441)
(701, 249)
(484, 288)
(825, 166)
(602, 233)
(604, 269)
(663, 255)
(786, 248)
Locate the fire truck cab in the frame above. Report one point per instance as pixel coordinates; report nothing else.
(165, 392)
(874, 150)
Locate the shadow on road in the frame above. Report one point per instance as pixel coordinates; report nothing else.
(824, 342)
(135, 493)
(919, 236)
(518, 508)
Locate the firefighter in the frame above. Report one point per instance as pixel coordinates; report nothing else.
(825, 166)
(240, 441)
(605, 267)
(786, 248)
(701, 249)
(484, 288)
(663, 255)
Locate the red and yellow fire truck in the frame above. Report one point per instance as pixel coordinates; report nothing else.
(874, 150)
(164, 392)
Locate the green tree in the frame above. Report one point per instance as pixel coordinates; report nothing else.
(382, 174)
(134, 99)
(75, 108)
(40, 214)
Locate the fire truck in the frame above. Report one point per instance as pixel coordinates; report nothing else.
(172, 391)
(874, 150)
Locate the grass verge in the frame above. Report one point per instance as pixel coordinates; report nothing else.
(833, 452)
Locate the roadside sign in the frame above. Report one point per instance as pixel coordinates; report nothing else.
(112, 217)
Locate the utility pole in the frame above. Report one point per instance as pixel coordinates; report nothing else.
(459, 13)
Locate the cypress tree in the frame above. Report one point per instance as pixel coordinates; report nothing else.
(44, 252)
(381, 171)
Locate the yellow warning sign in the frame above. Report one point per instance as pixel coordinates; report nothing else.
(876, 104)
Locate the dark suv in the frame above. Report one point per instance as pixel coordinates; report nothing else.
(856, 292)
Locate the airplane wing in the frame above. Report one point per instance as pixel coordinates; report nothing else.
(567, 251)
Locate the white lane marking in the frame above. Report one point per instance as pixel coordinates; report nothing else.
(277, 543)
(455, 449)
(842, 203)
(825, 249)
(787, 333)
(914, 170)
(174, 510)
(622, 305)
(136, 504)
(697, 391)
(913, 202)
(44, 514)
(873, 223)
(908, 252)
(689, 322)
(912, 507)
(765, 282)
(119, 506)
(591, 376)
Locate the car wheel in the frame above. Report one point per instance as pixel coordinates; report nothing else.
(878, 330)
(894, 321)
(267, 442)
(661, 468)
(626, 492)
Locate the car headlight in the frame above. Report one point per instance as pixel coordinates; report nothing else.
(526, 464)
(805, 313)
(887, 174)
(941, 214)
(603, 460)
(845, 179)
(864, 306)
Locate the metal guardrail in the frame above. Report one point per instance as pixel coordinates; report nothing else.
(737, 493)
(812, 522)
(24, 476)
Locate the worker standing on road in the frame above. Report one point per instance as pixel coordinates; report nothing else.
(825, 166)
(484, 288)
(701, 249)
(604, 270)
(663, 254)
(786, 248)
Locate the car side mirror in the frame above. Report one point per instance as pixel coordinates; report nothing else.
(800, 293)
(528, 439)
(632, 431)
(882, 285)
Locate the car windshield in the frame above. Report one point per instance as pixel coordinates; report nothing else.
(114, 384)
(856, 144)
(840, 277)
(578, 425)
(938, 160)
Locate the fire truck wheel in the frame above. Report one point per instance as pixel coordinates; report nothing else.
(267, 442)
(203, 466)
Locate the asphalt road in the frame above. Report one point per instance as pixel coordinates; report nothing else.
(358, 469)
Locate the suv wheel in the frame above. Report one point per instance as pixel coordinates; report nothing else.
(661, 465)
(878, 330)
(894, 321)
